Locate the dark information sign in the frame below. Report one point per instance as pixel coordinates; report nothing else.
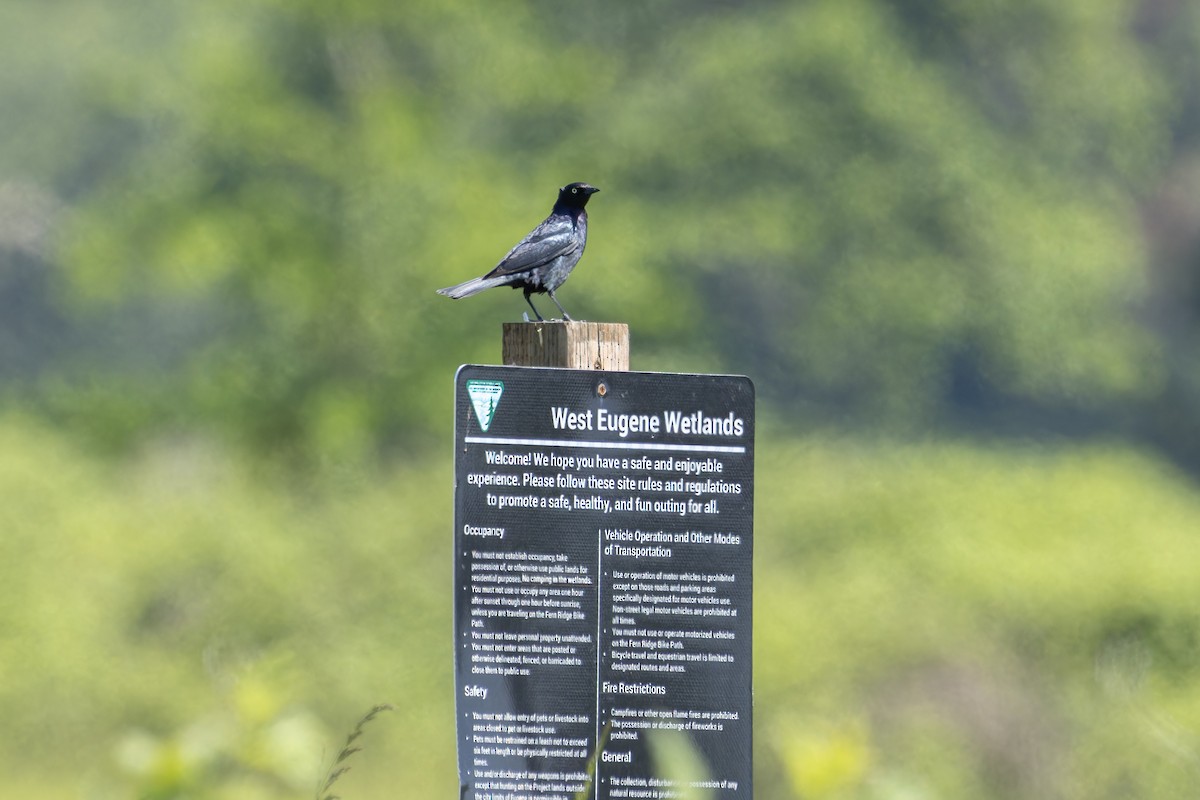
(603, 541)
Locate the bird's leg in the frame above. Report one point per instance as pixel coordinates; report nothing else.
(531, 305)
(566, 316)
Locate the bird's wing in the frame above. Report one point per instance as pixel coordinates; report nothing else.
(556, 236)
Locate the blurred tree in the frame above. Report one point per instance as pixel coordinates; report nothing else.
(883, 211)
(1171, 214)
(893, 210)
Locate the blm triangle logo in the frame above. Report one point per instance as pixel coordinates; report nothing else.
(485, 396)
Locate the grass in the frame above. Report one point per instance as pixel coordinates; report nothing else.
(931, 620)
(341, 762)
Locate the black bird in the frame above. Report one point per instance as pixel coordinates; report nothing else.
(542, 260)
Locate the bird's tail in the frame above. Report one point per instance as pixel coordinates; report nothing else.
(474, 286)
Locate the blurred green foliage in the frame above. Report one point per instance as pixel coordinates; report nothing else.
(937, 620)
(197, 624)
(968, 232)
(886, 212)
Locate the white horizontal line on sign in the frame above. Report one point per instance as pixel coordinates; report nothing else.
(686, 448)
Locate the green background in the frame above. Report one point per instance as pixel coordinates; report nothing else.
(955, 244)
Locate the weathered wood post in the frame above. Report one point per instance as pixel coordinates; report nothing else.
(567, 344)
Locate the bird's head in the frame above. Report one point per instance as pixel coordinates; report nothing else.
(575, 195)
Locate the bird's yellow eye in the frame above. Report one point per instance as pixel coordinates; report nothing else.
(574, 190)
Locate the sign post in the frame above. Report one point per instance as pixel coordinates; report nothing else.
(603, 584)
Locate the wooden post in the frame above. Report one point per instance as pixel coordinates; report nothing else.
(570, 345)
